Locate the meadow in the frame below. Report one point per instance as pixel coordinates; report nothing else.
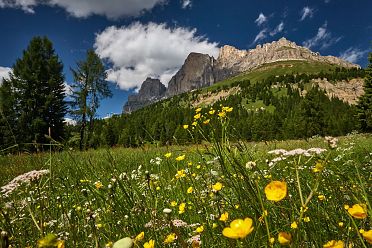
(300, 193)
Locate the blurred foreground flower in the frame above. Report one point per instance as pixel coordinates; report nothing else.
(123, 243)
(238, 228)
(368, 236)
(284, 238)
(358, 211)
(276, 191)
(334, 244)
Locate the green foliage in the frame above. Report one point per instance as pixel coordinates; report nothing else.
(90, 87)
(365, 101)
(32, 100)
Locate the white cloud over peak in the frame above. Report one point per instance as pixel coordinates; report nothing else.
(353, 55)
(186, 4)
(83, 8)
(261, 35)
(4, 73)
(306, 12)
(322, 39)
(138, 51)
(261, 19)
(278, 29)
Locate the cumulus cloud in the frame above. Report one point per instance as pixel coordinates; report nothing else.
(278, 29)
(83, 8)
(186, 4)
(353, 55)
(138, 51)
(306, 12)
(261, 19)
(322, 39)
(260, 36)
(4, 73)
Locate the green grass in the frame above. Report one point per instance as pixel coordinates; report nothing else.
(70, 203)
(275, 69)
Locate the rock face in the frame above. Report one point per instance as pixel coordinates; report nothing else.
(151, 91)
(196, 72)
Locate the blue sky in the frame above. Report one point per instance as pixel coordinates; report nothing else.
(144, 38)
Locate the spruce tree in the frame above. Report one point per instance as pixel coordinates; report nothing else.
(365, 101)
(33, 97)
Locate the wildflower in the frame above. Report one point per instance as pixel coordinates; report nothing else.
(222, 114)
(198, 110)
(224, 217)
(200, 229)
(109, 244)
(358, 211)
(212, 111)
(168, 155)
(99, 225)
(180, 158)
(170, 238)
(214, 225)
(284, 238)
(346, 207)
(206, 121)
(307, 219)
(250, 164)
(217, 186)
(229, 109)
(341, 224)
(294, 225)
(173, 203)
(197, 116)
(194, 123)
(190, 190)
(368, 236)
(321, 197)
(185, 126)
(271, 240)
(334, 244)
(318, 167)
(150, 244)
(238, 228)
(276, 190)
(179, 223)
(180, 174)
(139, 237)
(181, 208)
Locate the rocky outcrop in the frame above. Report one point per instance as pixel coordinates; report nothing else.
(196, 72)
(151, 91)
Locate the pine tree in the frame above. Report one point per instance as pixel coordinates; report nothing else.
(90, 87)
(365, 101)
(35, 92)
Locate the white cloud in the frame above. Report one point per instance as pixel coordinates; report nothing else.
(138, 51)
(84, 8)
(353, 55)
(323, 38)
(260, 36)
(260, 19)
(186, 4)
(306, 12)
(68, 89)
(4, 73)
(278, 29)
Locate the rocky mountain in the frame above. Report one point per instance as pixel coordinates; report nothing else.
(151, 91)
(201, 70)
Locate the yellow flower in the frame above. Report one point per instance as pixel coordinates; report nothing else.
(198, 110)
(276, 191)
(358, 211)
(224, 217)
(222, 114)
(98, 185)
(214, 225)
(238, 228)
(334, 244)
(181, 208)
(185, 126)
(168, 155)
(217, 187)
(341, 224)
(170, 238)
(321, 197)
(206, 121)
(294, 225)
(180, 158)
(150, 244)
(212, 111)
(229, 109)
(180, 174)
(307, 219)
(173, 203)
(197, 116)
(200, 229)
(194, 123)
(272, 240)
(190, 190)
(140, 237)
(284, 238)
(368, 236)
(318, 167)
